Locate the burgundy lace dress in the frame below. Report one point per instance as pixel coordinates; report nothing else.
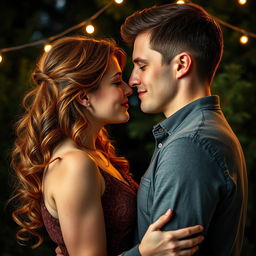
(119, 207)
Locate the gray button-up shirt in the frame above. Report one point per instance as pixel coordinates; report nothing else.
(198, 170)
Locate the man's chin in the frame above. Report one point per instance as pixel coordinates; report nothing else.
(148, 110)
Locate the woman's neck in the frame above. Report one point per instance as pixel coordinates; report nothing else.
(88, 141)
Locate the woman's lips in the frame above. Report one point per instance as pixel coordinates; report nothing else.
(126, 105)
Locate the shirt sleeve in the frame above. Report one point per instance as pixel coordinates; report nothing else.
(189, 181)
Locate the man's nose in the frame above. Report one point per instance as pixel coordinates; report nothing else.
(134, 79)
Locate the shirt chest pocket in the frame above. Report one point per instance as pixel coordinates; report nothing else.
(143, 195)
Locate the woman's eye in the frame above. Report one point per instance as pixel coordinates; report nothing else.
(118, 83)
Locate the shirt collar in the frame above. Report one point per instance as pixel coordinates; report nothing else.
(168, 125)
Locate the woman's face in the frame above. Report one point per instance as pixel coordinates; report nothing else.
(109, 103)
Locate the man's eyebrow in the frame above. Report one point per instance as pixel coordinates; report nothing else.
(117, 74)
(140, 60)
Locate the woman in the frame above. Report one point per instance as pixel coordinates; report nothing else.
(69, 174)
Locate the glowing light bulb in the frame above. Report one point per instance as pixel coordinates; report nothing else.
(118, 1)
(89, 29)
(244, 39)
(180, 2)
(1, 58)
(242, 2)
(47, 47)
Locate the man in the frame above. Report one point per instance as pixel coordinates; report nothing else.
(198, 167)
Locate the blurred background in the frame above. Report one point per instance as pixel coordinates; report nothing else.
(28, 20)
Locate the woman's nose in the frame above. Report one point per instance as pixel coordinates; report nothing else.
(127, 89)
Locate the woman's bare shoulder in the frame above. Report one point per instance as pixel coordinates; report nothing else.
(71, 168)
(75, 162)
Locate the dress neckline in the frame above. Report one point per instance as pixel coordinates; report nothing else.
(129, 185)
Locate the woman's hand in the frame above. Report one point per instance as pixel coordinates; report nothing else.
(174, 243)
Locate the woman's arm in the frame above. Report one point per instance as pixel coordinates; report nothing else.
(159, 243)
(78, 202)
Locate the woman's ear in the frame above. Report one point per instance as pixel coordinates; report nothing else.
(82, 98)
(184, 64)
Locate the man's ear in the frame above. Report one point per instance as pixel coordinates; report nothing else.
(83, 99)
(184, 64)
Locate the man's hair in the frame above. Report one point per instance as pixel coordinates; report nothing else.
(176, 28)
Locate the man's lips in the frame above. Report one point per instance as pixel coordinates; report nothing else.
(141, 93)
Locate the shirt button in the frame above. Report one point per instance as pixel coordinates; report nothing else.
(160, 145)
(161, 130)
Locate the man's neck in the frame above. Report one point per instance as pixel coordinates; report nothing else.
(186, 95)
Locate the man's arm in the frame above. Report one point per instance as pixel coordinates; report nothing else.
(188, 180)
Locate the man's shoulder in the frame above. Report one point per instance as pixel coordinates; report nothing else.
(206, 128)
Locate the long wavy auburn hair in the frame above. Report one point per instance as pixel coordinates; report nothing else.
(52, 113)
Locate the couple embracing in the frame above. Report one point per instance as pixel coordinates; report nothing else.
(193, 197)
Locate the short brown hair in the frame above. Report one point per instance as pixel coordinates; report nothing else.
(176, 28)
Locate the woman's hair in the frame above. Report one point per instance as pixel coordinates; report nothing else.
(52, 113)
(175, 28)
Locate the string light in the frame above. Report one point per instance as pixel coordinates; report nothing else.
(244, 39)
(242, 2)
(52, 38)
(240, 30)
(89, 28)
(47, 47)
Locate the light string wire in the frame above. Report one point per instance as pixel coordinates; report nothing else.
(52, 38)
(242, 31)
(228, 25)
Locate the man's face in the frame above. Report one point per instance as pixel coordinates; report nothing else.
(154, 80)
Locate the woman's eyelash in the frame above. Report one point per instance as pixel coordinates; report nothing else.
(118, 83)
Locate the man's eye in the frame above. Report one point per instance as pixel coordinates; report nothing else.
(142, 67)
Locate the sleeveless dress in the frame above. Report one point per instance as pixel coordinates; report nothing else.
(119, 208)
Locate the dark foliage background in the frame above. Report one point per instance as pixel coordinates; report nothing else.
(26, 21)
